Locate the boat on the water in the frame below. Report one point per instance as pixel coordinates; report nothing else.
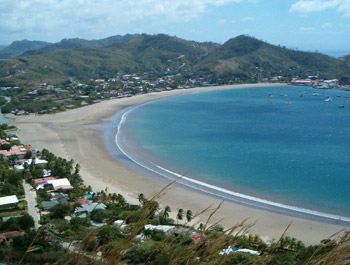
(328, 99)
(341, 106)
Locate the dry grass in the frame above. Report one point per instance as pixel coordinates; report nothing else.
(335, 250)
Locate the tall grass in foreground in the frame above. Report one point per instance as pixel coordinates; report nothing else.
(130, 248)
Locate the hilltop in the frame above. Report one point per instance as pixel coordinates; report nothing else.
(241, 59)
(19, 47)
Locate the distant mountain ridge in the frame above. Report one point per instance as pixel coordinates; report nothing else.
(26, 47)
(19, 47)
(240, 59)
(67, 44)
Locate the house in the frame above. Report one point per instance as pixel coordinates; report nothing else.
(43, 181)
(19, 151)
(2, 141)
(86, 209)
(234, 249)
(47, 205)
(8, 201)
(55, 182)
(37, 162)
(84, 201)
(6, 218)
(60, 184)
(7, 238)
(196, 237)
(182, 231)
(60, 197)
(121, 224)
(167, 229)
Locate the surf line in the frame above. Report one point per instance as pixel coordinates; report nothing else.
(223, 192)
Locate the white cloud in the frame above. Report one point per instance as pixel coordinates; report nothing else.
(327, 25)
(306, 28)
(221, 21)
(307, 6)
(35, 16)
(248, 19)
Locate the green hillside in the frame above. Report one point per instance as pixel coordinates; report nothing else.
(241, 59)
(68, 44)
(18, 47)
(254, 58)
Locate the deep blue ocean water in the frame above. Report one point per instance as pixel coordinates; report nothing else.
(283, 144)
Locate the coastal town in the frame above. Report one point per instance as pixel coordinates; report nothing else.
(47, 98)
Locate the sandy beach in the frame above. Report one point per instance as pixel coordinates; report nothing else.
(75, 135)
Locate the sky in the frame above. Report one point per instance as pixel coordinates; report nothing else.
(309, 25)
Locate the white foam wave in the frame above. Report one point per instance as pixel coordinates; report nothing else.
(249, 200)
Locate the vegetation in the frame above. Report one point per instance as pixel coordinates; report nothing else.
(242, 59)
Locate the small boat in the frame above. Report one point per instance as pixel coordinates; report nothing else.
(346, 97)
(314, 94)
(341, 106)
(328, 99)
(288, 102)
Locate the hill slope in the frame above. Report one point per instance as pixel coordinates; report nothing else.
(241, 59)
(68, 44)
(252, 57)
(19, 47)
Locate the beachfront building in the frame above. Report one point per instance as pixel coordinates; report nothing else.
(36, 161)
(86, 209)
(18, 151)
(55, 182)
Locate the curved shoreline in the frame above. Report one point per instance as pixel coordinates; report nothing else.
(216, 191)
(76, 134)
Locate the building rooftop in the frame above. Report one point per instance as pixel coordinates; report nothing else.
(8, 200)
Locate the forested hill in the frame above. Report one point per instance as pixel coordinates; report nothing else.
(68, 44)
(19, 47)
(241, 59)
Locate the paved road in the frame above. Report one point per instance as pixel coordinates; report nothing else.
(30, 197)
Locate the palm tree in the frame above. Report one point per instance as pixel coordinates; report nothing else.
(141, 197)
(189, 215)
(121, 200)
(180, 215)
(166, 212)
(201, 227)
(77, 169)
(114, 197)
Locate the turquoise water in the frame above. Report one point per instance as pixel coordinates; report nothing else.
(284, 144)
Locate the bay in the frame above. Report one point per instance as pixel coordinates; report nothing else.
(284, 144)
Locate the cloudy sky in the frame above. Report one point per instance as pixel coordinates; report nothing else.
(322, 25)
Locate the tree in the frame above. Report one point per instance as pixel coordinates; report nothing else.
(121, 200)
(97, 215)
(26, 221)
(189, 215)
(114, 197)
(166, 212)
(141, 197)
(76, 222)
(60, 210)
(28, 155)
(180, 215)
(201, 227)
